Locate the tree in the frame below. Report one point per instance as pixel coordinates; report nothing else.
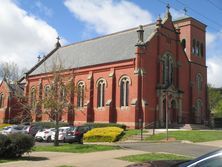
(56, 100)
(10, 71)
(214, 99)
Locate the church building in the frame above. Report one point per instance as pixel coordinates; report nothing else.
(137, 76)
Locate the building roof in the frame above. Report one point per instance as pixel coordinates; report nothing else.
(110, 48)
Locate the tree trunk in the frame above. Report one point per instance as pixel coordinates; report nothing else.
(56, 141)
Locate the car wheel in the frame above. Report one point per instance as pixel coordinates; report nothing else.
(48, 139)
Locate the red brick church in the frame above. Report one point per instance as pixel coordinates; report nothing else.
(135, 75)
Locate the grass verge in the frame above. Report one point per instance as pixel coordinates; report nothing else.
(129, 133)
(75, 148)
(193, 135)
(154, 157)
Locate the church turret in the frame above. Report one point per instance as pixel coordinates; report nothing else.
(192, 37)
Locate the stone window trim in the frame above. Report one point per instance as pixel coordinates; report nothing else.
(80, 94)
(168, 69)
(101, 84)
(1, 100)
(124, 83)
(46, 90)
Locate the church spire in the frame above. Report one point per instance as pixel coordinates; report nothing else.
(168, 15)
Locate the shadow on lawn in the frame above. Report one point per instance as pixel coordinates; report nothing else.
(162, 163)
(31, 158)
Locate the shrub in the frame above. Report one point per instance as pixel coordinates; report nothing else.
(107, 134)
(49, 124)
(101, 125)
(14, 145)
(4, 125)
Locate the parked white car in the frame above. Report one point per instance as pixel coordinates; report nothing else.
(62, 134)
(12, 129)
(44, 135)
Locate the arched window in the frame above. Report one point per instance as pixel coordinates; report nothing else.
(201, 50)
(47, 91)
(199, 82)
(183, 43)
(124, 90)
(197, 48)
(33, 97)
(168, 70)
(194, 46)
(101, 93)
(80, 94)
(1, 100)
(62, 93)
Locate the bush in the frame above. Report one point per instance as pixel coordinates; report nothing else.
(14, 145)
(102, 125)
(4, 125)
(107, 134)
(49, 124)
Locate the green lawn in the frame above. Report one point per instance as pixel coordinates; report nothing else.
(129, 133)
(5, 160)
(154, 157)
(193, 135)
(75, 148)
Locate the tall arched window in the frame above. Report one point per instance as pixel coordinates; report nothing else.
(183, 43)
(47, 91)
(80, 94)
(124, 90)
(168, 70)
(201, 50)
(194, 46)
(197, 48)
(199, 82)
(33, 97)
(1, 100)
(101, 93)
(62, 93)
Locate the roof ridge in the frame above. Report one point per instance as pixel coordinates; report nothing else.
(107, 35)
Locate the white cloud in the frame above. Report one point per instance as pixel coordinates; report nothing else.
(108, 16)
(23, 36)
(214, 58)
(210, 38)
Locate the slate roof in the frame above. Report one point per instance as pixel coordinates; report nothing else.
(110, 48)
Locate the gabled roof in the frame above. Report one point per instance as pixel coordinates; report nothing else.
(110, 48)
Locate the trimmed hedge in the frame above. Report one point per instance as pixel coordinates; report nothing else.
(15, 145)
(107, 134)
(49, 124)
(102, 125)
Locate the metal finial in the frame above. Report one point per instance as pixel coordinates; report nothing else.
(185, 11)
(168, 7)
(39, 57)
(58, 38)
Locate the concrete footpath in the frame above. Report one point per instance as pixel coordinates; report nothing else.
(55, 159)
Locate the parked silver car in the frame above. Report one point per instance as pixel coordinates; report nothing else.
(13, 129)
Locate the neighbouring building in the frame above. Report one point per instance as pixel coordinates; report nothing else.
(10, 106)
(132, 76)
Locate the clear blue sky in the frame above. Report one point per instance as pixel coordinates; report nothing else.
(29, 28)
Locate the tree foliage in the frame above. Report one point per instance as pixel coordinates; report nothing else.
(215, 100)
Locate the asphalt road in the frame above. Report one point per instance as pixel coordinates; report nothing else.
(193, 150)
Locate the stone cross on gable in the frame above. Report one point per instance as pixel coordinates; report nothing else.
(39, 58)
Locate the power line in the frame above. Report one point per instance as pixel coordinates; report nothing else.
(216, 6)
(195, 11)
